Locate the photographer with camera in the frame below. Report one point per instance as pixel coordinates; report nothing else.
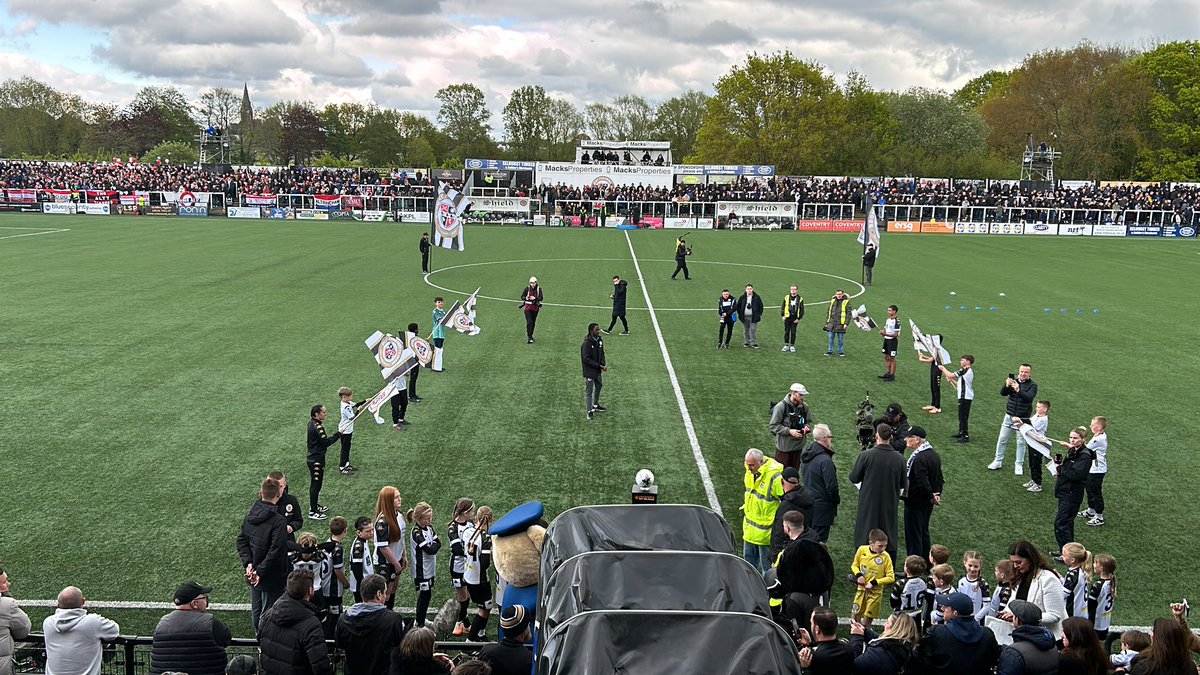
(1021, 392)
(790, 426)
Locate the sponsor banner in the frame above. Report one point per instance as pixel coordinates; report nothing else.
(586, 175)
(678, 223)
(970, 228)
(724, 169)
(903, 226)
(279, 213)
(781, 209)
(101, 195)
(616, 221)
(847, 226)
(340, 215)
(27, 196)
(59, 196)
(327, 201)
(252, 212)
(1184, 231)
(1124, 183)
(413, 216)
(128, 210)
(1176, 186)
(311, 214)
(501, 204)
(259, 200)
(1144, 231)
(193, 211)
(1075, 184)
(1041, 228)
(933, 182)
(128, 200)
(58, 208)
(1007, 228)
(652, 223)
(1004, 182)
(186, 198)
(451, 175)
(160, 210)
(937, 228)
(19, 208)
(814, 226)
(1108, 231)
(349, 202)
(626, 145)
(373, 216)
(500, 164)
(1075, 230)
(94, 209)
(835, 179)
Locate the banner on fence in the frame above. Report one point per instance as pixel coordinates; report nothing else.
(311, 214)
(94, 209)
(686, 223)
(1040, 228)
(58, 208)
(279, 213)
(1007, 228)
(24, 196)
(327, 202)
(1185, 231)
(724, 169)
(413, 216)
(1108, 231)
(500, 204)
(780, 209)
(259, 200)
(1075, 230)
(935, 227)
(374, 216)
(193, 211)
(903, 226)
(500, 164)
(252, 212)
(587, 175)
(1144, 231)
(970, 228)
(59, 196)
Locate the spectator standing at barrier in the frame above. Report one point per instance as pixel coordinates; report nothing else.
(620, 286)
(510, 656)
(763, 491)
(869, 261)
(591, 354)
(682, 251)
(14, 624)
(963, 380)
(727, 311)
(262, 547)
(804, 570)
(291, 639)
(821, 481)
(836, 321)
(318, 445)
(789, 425)
(424, 247)
(794, 499)
(792, 310)
(958, 645)
(531, 303)
(922, 492)
(368, 631)
(879, 472)
(749, 308)
(73, 636)
(190, 639)
(1032, 651)
(1021, 392)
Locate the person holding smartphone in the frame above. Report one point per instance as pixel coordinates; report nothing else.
(1072, 472)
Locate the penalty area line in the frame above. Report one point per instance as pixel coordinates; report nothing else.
(701, 464)
(31, 234)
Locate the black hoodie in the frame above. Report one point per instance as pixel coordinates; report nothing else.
(367, 632)
(263, 543)
(291, 639)
(618, 296)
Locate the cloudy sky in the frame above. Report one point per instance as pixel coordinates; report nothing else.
(397, 53)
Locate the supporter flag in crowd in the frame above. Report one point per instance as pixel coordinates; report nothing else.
(462, 319)
(447, 216)
(870, 229)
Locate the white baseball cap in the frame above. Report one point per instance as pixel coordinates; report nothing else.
(533, 280)
(799, 389)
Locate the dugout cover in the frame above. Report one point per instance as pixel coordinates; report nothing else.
(650, 580)
(713, 643)
(633, 527)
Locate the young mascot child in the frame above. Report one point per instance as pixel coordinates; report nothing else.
(1075, 582)
(973, 585)
(873, 572)
(423, 546)
(909, 592)
(1003, 593)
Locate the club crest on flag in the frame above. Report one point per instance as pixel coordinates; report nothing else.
(421, 347)
(390, 349)
(447, 219)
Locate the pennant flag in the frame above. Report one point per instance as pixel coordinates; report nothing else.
(870, 230)
(462, 319)
(419, 346)
(445, 320)
(379, 399)
(860, 318)
(394, 358)
(924, 343)
(1036, 441)
(447, 216)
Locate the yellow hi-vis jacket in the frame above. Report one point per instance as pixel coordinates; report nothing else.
(761, 502)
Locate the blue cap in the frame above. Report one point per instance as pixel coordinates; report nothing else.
(517, 520)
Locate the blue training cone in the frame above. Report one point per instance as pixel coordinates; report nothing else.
(1095, 311)
(978, 308)
(1079, 311)
(963, 308)
(993, 309)
(948, 308)
(1047, 310)
(1063, 311)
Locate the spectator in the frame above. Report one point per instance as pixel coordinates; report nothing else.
(1036, 581)
(794, 499)
(1021, 392)
(1170, 642)
(415, 655)
(836, 321)
(923, 491)
(749, 307)
(880, 474)
(14, 624)
(959, 645)
(261, 545)
(1179, 612)
(804, 571)
(472, 667)
(821, 481)
(291, 638)
(190, 639)
(897, 419)
(1032, 651)
(368, 631)
(885, 654)
(510, 656)
(763, 490)
(823, 653)
(1082, 653)
(790, 426)
(869, 261)
(73, 636)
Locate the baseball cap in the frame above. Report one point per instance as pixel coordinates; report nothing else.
(1027, 613)
(799, 389)
(893, 409)
(959, 602)
(791, 474)
(514, 620)
(919, 432)
(189, 592)
(533, 280)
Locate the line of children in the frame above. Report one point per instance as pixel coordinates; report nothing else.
(475, 574)
(346, 426)
(908, 594)
(362, 555)
(941, 583)
(1101, 597)
(972, 584)
(333, 572)
(1005, 574)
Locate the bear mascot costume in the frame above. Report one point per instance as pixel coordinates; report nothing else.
(517, 553)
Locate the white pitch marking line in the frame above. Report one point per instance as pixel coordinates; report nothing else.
(701, 464)
(31, 234)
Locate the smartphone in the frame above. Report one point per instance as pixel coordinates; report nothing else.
(1058, 458)
(1011, 376)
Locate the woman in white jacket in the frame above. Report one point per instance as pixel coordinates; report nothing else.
(1039, 583)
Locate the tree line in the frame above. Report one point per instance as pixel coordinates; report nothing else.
(1114, 112)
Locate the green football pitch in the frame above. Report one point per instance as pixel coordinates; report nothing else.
(156, 369)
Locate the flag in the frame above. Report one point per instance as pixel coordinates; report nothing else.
(860, 318)
(1036, 441)
(926, 343)
(870, 230)
(462, 319)
(377, 401)
(447, 216)
(394, 358)
(445, 320)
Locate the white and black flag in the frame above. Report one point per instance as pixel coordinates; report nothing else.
(447, 216)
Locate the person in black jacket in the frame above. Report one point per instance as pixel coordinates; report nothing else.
(618, 300)
(869, 261)
(318, 443)
(531, 303)
(1069, 488)
(923, 491)
(898, 421)
(725, 310)
(368, 632)
(1021, 392)
(510, 656)
(292, 641)
(682, 251)
(262, 548)
(749, 307)
(190, 639)
(425, 246)
(288, 506)
(959, 645)
(804, 571)
(794, 499)
(591, 353)
(823, 653)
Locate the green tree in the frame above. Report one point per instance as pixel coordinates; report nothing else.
(990, 84)
(633, 118)
(268, 133)
(175, 151)
(379, 139)
(37, 120)
(565, 130)
(343, 123)
(464, 116)
(301, 134)
(527, 123)
(936, 133)
(772, 109)
(678, 120)
(1171, 72)
(217, 107)
(868, 130)
(600, 120)
(157, 114)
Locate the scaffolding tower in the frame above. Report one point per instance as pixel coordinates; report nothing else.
(1037, 164)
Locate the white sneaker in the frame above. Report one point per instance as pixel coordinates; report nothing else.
(994, 465)
(1027, 484)
(1088, 513)
(1020, 470)
(1033, 487)
(785, 348)
(1095, 520)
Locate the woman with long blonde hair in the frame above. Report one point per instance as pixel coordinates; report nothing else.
(890, 651)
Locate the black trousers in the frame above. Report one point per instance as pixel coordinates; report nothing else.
(530, 323)
(399, 406)
(789, 332)
(935, 387)
(425, 262)
(1095, 494)
(916, 531)
(1064, 522)
(964, 416)
(412, 380)
(725, 332)
(316, 475)
(1035, 466)
(681, 266)
(345, 449)
(620, 316)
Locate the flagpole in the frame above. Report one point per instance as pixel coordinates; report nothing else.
(432, 223)
(862, 277)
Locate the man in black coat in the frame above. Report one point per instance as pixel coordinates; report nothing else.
(591, 354)
(805, 571)
(794, 499)
(368, 631)
(425, 246)
(510, 656)
(869, 261)
(821, 481)
(618, 300)
(190, 639)
(292, 640)
(823, 653)
(288, 506)
(262, 548)
(959, 645)
(922, 492)
(880, 472)
(682, 251)
(749, 308)
(898, 421)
